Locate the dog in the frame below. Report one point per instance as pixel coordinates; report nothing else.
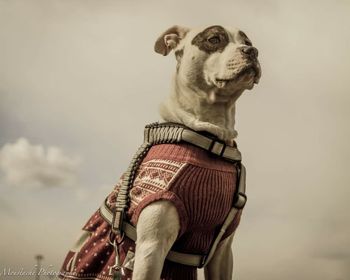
(214, 67)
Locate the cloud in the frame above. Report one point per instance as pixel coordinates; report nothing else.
(24, 164)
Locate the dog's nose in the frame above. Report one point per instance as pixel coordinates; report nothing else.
(249, 51)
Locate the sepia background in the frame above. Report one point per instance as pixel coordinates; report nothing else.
(79, 80)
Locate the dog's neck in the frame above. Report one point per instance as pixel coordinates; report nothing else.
(201, 111)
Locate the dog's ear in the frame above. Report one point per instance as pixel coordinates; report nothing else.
(170, 39)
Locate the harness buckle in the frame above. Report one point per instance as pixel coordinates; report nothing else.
(117, 221)
(240, 200)
(217, 147)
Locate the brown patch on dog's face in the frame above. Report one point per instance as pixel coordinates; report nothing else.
(212, 39)
(217, 60)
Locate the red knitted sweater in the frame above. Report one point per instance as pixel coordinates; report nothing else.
(199, 184)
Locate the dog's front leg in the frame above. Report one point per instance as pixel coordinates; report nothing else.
(220, 266)
(157, 229)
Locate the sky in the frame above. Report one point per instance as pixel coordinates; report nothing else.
(79, 80)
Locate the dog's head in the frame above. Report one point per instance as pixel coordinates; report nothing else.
(212, 60)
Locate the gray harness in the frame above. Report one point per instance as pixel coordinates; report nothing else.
(161, 133)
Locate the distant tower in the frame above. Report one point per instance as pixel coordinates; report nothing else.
(38, 258)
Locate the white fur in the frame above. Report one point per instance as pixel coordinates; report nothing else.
(157, 229)
(200, 102)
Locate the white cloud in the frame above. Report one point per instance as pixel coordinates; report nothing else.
(24, 164)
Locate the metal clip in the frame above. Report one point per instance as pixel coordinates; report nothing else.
(117, 271)
(240, 200)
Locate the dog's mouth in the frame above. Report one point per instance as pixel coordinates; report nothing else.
(250, 71)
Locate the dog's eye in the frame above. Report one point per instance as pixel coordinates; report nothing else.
(248, 43)
(214, 40)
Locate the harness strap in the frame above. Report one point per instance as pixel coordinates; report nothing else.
(161, 133)
(239, 203)
(158, 133)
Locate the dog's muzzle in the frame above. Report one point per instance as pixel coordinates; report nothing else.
(244, 64)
